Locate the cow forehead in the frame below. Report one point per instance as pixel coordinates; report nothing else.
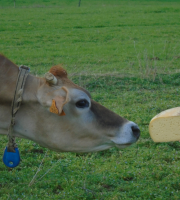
(78, 94)
(62, 75)
(70, 85)
(85, 91)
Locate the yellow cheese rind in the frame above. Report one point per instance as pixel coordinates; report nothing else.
(165, 127)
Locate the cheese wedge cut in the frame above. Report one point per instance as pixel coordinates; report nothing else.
(165, 127)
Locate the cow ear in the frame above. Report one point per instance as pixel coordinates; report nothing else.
(58, 102)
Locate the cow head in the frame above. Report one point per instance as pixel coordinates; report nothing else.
(74, 122)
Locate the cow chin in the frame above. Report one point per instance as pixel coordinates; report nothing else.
(122, 146)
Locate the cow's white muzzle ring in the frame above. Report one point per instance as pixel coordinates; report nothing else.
(11, 157)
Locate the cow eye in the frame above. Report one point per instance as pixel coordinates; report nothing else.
(82, 103)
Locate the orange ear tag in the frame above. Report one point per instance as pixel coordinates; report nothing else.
(62, 113)
(55, 110)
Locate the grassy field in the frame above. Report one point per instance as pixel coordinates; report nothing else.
(127, 54)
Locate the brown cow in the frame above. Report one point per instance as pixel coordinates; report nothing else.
(60, 115)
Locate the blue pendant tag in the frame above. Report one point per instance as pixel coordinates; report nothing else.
(11, 159)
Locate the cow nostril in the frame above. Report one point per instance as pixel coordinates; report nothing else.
(136, 131)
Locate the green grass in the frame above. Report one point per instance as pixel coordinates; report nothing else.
(126, 53)
(96, 37)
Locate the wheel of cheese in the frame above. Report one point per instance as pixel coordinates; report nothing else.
(165, 127)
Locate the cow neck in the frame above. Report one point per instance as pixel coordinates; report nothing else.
(16, 103)
(8, 76)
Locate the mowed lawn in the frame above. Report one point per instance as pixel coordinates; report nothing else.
(127, 54)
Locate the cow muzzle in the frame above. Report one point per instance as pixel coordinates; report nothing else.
(127, 135)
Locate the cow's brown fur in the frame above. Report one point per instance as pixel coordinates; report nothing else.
(104, 117)
(10, 70)
(78, 131)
